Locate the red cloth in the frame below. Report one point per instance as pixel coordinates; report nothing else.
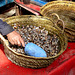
(63, 65)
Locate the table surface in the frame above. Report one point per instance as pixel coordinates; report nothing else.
(29, 7)
(56, 68)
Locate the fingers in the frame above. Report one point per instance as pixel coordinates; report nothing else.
(16, 42)
(15, 38)
(19, 41)
(22, 42)
(12, 42)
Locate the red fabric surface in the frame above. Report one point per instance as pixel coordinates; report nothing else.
(63, 65)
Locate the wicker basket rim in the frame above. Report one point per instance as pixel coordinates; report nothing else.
(57, 2)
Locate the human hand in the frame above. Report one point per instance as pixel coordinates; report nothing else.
(15, 38)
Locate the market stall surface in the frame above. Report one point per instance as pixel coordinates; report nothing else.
(63, 65)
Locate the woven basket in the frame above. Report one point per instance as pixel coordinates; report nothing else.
(29, 61)
(66, 11)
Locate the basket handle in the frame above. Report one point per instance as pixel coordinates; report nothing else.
(54, 14)
(3, 39)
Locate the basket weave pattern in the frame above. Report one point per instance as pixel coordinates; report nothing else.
(66, 11)
(29, 61)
